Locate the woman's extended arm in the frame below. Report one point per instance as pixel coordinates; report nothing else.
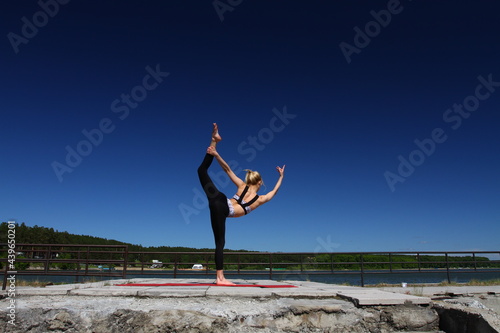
(267, 197)
(237, 181)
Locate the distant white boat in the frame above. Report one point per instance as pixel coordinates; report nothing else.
(197, 266)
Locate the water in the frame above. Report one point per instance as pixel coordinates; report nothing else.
(344, 277)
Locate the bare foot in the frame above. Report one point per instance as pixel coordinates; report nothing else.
(215, 134)
(211, 150)
(224, 282)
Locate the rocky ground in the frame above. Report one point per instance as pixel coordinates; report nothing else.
(144, 315)
(101, 307)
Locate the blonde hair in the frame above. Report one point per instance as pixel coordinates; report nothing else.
(253, 177)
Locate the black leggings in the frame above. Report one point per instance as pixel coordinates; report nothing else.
(219, 210)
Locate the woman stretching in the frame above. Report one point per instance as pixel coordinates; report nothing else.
(244, 201)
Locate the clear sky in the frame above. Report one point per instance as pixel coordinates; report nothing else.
(385, 113)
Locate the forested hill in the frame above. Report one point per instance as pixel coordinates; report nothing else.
(42, 235)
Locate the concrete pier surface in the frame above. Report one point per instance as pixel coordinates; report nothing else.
(306, 307)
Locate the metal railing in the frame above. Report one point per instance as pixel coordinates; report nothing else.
(64, 260)
(118, 261)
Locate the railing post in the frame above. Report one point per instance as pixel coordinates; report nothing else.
(331, 260)
(110, 259)
(418, 261)
(474, 259)
(125, 263)
(270, 266)
(447, 267)
(78, 266)
(239, 262)
(390, 262)
(4, 285)
(87, 261)
(175, 266)
(46, 257)
(362, 272)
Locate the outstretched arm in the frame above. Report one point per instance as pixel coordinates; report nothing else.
(267, 197)
(237, 181)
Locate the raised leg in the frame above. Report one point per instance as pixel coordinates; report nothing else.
(218, 208)
(215, 136)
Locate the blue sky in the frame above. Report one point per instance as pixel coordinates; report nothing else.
(386, 114)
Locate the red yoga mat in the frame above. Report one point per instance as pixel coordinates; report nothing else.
(205, 284)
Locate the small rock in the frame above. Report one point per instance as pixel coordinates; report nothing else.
(62, 321)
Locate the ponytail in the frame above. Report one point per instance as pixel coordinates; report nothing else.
(253, 177)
